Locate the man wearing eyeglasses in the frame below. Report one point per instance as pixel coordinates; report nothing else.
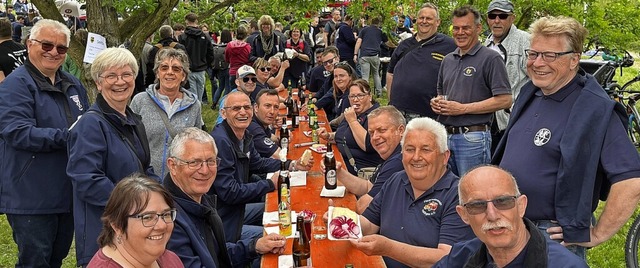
(492, 205)
(411, 222)
(240, 199)
(246, 82)
(198, 237)
(510, 42)
(574, 136)
(38, 104)
(472, 85)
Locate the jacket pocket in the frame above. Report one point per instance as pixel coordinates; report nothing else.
(26, 167)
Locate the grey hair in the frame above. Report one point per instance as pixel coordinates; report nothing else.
(176, 149)
(169, 53)
(464, 178)
(428, 124)
(113, 57)
(51, 25)
(397, 119)
(431, 6)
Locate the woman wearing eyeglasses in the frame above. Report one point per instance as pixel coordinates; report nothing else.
(136, 226)
(351, 136)
(106, 144)
(166, 107)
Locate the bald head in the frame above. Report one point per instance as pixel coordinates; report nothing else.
(483, 177)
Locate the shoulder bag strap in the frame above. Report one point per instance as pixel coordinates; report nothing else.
(165, 120)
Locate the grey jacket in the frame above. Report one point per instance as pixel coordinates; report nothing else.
(514, 43)
(187, 113)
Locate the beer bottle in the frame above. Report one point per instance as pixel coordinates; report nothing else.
(295, 114)
(313, 117)
(301, 96)
(284, 200)
(314, 131)
(301, 248)
(284, 135)
(330, 179)
(288, 102)
(303, 82)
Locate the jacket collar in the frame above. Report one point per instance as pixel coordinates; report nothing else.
(44, 83)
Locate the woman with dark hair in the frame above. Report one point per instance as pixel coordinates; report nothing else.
(352, 136)
(335, 101)
(299, 63)
(237, 53)
(136, 225)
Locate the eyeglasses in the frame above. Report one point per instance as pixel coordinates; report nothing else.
(46, 46)
(546, 56)
(502, 16)
(328, 62)
(151, 219)
(357, 96)
(501, 203)
(175, 69)
(247, 79)
(238, 108)
(113, 78)
(197, 164)
(265, 69)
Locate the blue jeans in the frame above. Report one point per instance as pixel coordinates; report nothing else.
(196, 83)
(543, 225)
(43, 240)
(469, 150)
(371, 65)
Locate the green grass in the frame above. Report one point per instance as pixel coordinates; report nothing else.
(608, 254)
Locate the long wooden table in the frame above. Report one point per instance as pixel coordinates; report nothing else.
(325, 253)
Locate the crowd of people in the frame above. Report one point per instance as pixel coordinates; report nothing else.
(488, 154)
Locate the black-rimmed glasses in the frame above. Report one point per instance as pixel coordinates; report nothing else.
(47, 46)
(357, 96)
(197, 164)
(501, 203)
(502, 16)
(265, 69)
(328, 62)
(113, 78)
(547, 56)
(151, 219)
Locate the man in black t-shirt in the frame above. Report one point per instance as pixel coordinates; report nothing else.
(12, 54)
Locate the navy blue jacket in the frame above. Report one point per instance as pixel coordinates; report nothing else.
(189, 237)
(232, 184)
(99, 157)
(579, 175)
(257, 51)
(33, 139)
(345, 41)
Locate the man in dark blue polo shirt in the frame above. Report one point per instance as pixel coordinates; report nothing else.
(368, 48)
(412, 220)
(411, 77)
(265, 116)
(472, 85)
(494, 208)
(566, 143)
(386, 126)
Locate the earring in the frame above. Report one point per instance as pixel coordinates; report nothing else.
(119, 239)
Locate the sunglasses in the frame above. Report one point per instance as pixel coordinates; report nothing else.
(328, 62)
(175, 69)
(501, 203)
(265, 69)
(46, 46)
(252, 79)
(502, 16)
(238, 108)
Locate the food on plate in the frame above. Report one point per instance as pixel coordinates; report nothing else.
(343, 224)
(320, 148)
(306, 156)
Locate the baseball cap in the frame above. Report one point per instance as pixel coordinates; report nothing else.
(245, 70)
(501, 5)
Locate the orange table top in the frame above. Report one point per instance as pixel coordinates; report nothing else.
(324, 252)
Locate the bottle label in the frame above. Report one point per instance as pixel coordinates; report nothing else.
(331, 177)
(312, 120)
(284, 143)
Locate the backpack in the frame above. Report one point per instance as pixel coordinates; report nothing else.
(332, 33)
(161, 47)
(218, 58)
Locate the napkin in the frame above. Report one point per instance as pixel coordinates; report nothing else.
(285, 261)
(297, 178)
(338, 192)
(276, 230)
(270, 218)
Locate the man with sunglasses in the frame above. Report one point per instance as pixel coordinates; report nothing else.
(492, 205)
(198, 237)
(510, 42)
(39, 103)
(246, 82)
(240, 200)
(411, 222)
(574, 136)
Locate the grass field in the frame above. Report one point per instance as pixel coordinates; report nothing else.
(608, 254)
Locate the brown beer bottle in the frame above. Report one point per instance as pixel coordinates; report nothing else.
(294, 115)
(284, 135)
(330, 179)
(301, 248)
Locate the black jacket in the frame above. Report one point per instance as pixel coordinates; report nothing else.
(199, 47)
